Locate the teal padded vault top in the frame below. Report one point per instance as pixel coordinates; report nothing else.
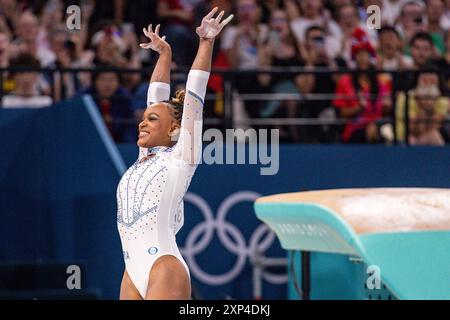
(413, 264)
(315, 229)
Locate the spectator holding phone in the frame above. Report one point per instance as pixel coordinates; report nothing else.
(109, 46)
(304, 14)
(280, 49)
(241, 44)
(315, 56)
(411, 20)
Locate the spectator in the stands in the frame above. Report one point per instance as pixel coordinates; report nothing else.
(109, 46)
(422, 48)
(334, 5)
(5, 47)
(391, 10)
(308, 13)
(177, 18)
(5, 55)
(29, 39)
(280, 49)
(241, 45)
(362, 97)
(114, 105)
(240, 42)
(9, 10)
(131, 80)
(390, 50)
(435, 10)
(26, 93)
(315, 56)
(349, 21)
(268, 7)
(51, 17)
(110, 10)
(411, 20)
(427, 111)
(65, 84)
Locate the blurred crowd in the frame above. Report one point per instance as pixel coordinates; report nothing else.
(311, 35)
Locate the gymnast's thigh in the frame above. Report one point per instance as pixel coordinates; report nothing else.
(128, 290)
(168, 280)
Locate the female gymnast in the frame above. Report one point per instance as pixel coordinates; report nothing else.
(150, 194)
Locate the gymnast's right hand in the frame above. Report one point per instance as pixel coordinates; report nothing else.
(157, 43)
(211, 27)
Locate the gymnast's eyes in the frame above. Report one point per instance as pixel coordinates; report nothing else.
(152, 117)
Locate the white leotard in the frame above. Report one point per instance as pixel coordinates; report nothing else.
(150, 193)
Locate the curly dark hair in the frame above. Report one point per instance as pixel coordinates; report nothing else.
(177, 104)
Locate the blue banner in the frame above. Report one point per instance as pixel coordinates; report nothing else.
(58, 180)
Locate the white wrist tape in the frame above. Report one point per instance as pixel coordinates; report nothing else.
(157, 92)
(197, 82)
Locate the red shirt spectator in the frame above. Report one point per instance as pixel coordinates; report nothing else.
(372, 110)
(361, 96)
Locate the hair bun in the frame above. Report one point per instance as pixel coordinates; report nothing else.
(179, 97)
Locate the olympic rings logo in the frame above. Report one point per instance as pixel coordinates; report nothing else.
(202, 234)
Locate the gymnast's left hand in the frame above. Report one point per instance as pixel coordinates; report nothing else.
(157, 43)
(211, 27)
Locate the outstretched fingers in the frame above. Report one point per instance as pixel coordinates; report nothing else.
(211, 13)
(147, 32)
(227, 20)
(219, 17)
(152, 35)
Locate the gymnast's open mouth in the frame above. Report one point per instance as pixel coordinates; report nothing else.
(143, 133)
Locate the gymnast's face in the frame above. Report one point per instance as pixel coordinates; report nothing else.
(157, 126)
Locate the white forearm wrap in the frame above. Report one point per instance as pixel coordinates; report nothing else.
(157, 91)
(197, 82)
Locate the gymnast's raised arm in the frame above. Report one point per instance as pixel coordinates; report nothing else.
(159, 88)
(189, 142)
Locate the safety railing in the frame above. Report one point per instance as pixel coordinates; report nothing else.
(229, 94)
